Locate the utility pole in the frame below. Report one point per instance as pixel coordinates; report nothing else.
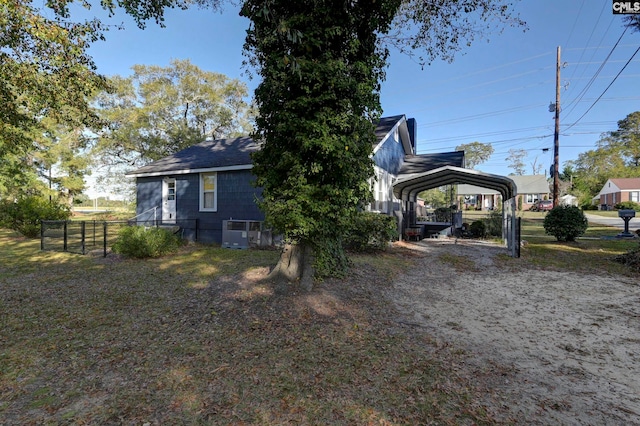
(556, 138)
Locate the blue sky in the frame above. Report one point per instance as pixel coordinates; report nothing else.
(496, 91)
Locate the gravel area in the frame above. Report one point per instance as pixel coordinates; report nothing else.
(550, 347)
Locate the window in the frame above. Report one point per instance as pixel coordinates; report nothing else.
(532, 198)
(208, 193)
(634, 196)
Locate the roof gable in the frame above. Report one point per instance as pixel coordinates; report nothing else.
(395, 126)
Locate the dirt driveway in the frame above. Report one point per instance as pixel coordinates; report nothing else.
(550, 347)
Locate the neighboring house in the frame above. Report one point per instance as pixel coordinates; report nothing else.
(203, 187)
(617, 191)
(569, 200)
(531, 189)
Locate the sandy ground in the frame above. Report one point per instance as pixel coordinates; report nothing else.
(550, 347)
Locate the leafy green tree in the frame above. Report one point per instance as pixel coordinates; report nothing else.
(158, 111)
(435, 197)
(46, 72)
(627, 138)
(475, 153)
(61, 160)
(516, 160)
(321, 65)
(318, 100)
(25, 213)
(616, 156)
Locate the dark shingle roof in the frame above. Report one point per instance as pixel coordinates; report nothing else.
(205, 155)
(385, 125)
(425, 162)
(227, 153)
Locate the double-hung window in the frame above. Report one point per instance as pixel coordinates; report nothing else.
(208, 192)
(634, 196)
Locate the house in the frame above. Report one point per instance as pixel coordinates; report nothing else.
(531, 189)
(619, 190)
(569, 200)
(207, 189)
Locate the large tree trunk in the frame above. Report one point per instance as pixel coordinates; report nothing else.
(295, 266)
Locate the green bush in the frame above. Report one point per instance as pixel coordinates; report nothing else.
(589, 207)
(493, 223)
(478, 229)
(371, 231)
(443, 214)
(566, 223)
(25, 214)
(630, 205)
(141, 242)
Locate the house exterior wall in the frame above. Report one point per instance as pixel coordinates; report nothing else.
(388, 159)
(612, 198)
(236, 197)
(390, 155)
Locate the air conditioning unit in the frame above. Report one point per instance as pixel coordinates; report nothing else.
(242, 234)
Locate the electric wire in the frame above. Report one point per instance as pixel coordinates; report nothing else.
(605, 90)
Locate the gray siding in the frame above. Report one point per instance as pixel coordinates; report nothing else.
(390, 156)
(235, 200)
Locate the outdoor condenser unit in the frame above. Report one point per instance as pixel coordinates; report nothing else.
(242, 234)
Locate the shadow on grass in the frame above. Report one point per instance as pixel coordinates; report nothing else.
(200, 337)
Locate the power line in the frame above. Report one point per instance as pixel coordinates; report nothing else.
(605, 90)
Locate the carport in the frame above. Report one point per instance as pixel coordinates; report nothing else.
(408, 186)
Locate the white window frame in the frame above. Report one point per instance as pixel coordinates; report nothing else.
(634, 196)
(215, 192)
(532, 198)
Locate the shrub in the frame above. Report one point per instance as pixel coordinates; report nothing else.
(371, 231)
(631, 205)
(443, 214)
(478, 229)
(566, 223)
(494, 223)
(25, 214)
(141, 242)
(589, 207)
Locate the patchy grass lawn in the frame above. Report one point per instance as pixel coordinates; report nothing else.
(591, 253)
(201, 338)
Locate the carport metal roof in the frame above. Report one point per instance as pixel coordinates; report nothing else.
(408, 186)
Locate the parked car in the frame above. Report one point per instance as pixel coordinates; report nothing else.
(544, 206)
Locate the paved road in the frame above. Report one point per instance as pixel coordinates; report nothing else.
(614, 221)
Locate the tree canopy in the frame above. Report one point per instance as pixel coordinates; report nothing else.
(47, 77)
(616, 156)
(516, 160)
(158, 111)
(475, 153)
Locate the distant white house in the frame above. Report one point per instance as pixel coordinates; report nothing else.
(531, 189)
(569, 200)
